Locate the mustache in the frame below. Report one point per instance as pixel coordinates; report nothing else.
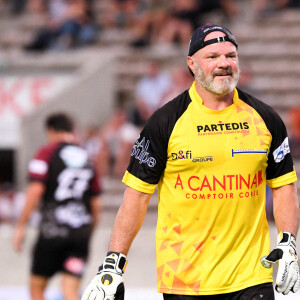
(223, 72)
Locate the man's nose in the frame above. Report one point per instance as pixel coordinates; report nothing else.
(223, 62)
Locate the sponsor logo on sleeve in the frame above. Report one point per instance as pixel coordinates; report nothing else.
(281, 151)
(140, 153)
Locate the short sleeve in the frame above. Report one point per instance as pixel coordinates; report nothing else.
(148, 156)
(280, 170)
(38, 168)
(150, 151)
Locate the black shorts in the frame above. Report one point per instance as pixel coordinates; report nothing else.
(257, 292)
(59, 255)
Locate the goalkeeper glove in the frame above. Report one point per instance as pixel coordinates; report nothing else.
(286, 256)
(108, 283)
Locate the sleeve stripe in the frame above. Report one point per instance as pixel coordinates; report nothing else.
(283, 180)
(38, 166)
(137, 184)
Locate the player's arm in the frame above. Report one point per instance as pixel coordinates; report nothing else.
(95, 210)
(286, 214)
(129, 220)
(143, 173)
(286, 208)
(108, 283)
(34, 194)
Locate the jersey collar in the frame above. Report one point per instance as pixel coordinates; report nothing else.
(196, 98)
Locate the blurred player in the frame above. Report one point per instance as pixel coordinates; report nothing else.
(64, 185)
(211, 151)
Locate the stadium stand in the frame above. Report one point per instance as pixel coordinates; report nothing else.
(269, 47)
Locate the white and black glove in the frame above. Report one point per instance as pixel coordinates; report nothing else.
(108, 283)
(285, 256)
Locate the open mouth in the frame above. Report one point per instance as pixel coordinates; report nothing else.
(223, 74)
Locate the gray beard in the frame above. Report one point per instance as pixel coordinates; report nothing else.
(208, 83)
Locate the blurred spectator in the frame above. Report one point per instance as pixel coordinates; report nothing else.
(228, 8)
(181, 80)
(172, 22)
(122, 13)
(17, 6)
(120, 135)
(294, 4)
(150, 92)
(70, 24)
(245, 82)
(38, 8)
(181, 23)
(263, 8)
(92, 142)
(294, 131)
(11, 203)
(97, 148)
(148, 24)
(6, 203)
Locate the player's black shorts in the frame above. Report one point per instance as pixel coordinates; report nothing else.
(53, 255)
(257, 292)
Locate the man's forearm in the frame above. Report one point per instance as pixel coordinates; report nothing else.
(286, 208)
(95, 211)
(34, 193)
(129, 220)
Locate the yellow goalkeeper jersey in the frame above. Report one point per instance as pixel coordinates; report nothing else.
(211, 168)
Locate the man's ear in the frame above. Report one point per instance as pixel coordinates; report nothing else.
(190, 63)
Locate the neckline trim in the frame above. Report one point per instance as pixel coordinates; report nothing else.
(199, 102)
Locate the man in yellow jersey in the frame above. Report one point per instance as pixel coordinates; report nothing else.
(212, 150)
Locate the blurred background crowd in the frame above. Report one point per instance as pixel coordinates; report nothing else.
(134, 50)
(65, 24)
(111, 64)
(148, 40)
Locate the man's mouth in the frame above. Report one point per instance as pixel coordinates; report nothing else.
(223, 74)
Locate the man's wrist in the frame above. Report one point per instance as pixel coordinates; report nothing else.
(114, 262)
(286, 239)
